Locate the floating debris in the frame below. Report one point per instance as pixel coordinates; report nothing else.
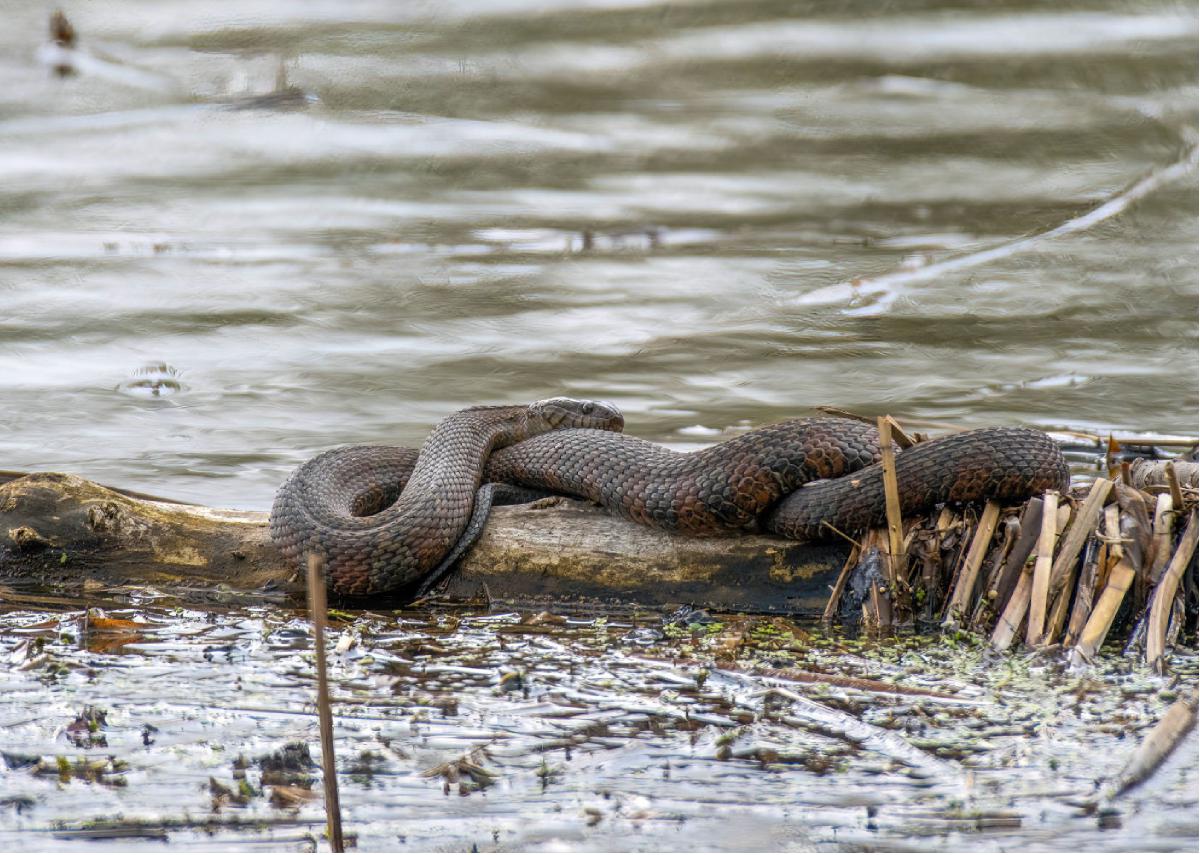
(154, 380)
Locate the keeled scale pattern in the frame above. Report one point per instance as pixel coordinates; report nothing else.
(320, 508)
(1005, 464)
(717, 489)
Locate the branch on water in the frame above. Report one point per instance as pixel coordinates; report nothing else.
(886, 287)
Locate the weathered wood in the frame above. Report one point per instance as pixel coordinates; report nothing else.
(1085, 596)
(1111, 545)
(1158, 744)
(1173, 485)
(1100, 622)
(1164, 519)
(1137, 539)
(1014, 612)
(1073, 544)
(1058, 611)
(985, 606)
(61, 529)
(898, 433)
(1017, 606)
(931, 575)
(1076, 535)
(318, 614)
(1151, 475)
(835, 593)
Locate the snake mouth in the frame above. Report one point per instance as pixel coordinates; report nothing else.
(606, 416)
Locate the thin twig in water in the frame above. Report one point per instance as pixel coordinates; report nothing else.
(316, 606)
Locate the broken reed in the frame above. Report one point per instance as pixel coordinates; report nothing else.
(1059, 570)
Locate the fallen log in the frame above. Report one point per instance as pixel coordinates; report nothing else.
(1155, 476)
(61, 530)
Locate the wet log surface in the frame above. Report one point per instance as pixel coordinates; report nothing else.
(61, 530)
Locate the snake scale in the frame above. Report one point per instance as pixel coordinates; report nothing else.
(386, 517)
(379, 535)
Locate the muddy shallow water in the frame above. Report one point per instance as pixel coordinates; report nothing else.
(570, 732)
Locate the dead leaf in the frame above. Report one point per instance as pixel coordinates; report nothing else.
(288, 796)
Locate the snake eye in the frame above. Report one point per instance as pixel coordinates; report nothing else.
(587, 408)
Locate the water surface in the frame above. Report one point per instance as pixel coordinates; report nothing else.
(618, 733)
(479, 202)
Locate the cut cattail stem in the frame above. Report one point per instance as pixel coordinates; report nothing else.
(1164, 595)
(1040, 589)
(891, 491)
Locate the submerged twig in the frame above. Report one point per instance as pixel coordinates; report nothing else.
(845, 726)
(1175, 724)
(884, 284)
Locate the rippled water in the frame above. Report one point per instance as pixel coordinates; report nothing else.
(481, 202)
(587, 734)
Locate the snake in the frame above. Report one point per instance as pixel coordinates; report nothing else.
(378, 534)
(803, 479)
(806, 479)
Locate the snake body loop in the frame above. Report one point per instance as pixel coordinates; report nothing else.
(718, 489)
(1003, 464)
(378, 536)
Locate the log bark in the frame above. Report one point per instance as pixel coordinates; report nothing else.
(61, 530)
(1151, 475)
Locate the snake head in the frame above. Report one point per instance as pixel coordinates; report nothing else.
(559, 413)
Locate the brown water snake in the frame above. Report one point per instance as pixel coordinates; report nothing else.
(379, 534)
(753, 479)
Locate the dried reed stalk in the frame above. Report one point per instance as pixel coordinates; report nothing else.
(318, 610)
(1042, 569)
(891, 494)
(1164, 595)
